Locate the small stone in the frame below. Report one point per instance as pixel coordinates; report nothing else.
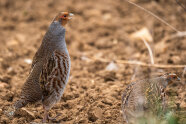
(3, 85)
(98, 112)
(112, 67)
(84, 58)
(92, 117)
(5, 79)
(107, 114)
(107, 16)
(25, 113)
(107, 101)
(11, 71)
(9, 96)
(28, 61)
(20, 37)
(12, 43)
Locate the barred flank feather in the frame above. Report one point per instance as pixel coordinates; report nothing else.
(145, 96)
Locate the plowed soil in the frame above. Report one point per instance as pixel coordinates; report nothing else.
(100, 29)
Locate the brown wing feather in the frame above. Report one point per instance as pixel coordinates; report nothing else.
(46, 71)
(54, 74)
(126, 95)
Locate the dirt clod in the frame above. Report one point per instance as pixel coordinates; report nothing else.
(99, 31)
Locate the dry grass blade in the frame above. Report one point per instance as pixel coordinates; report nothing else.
(149, 49)
(134, 75)
(183, 75)
(181, 5)
(178, 34)
(138, 63)
(160, 19)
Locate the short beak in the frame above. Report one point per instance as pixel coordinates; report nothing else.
(70, 15)
(179, 79)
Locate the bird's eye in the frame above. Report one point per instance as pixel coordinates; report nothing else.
(174, 77)
(65, 15)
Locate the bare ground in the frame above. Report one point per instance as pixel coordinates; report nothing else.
(100, 29)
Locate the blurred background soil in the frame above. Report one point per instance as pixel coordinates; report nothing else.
(100, 29)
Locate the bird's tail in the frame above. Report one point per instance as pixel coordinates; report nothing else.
(20, 103)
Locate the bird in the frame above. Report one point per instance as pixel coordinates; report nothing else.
(145, 96)
(50, 69)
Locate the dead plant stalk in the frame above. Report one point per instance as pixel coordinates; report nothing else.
(149, 49)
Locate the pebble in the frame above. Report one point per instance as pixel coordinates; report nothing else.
(25, 113)
(112, 67)
(28, 61)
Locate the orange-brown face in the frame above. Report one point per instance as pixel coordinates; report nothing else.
(63, 17)
(173, 77)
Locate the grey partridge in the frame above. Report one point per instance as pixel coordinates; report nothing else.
(145, 96)
(50, 68)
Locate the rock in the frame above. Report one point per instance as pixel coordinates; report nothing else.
(107, 101)
(142, 33)
(110, 76)
(3, 85)
(107, 114)
(107, 16)
(28, 61)
(111, 67)
(25, 113)
(9, 96)
(98, 112)
(12, 43)
(5, 79)
(84, 58)
(11, 71)
(20, 37)
(94, 114)
(92, 117)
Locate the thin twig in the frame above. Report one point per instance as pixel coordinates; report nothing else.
(178, 34)
(183, 75)
(149, 49)
(139, 63)
(134, 74)
(181, 5)
(160, 19)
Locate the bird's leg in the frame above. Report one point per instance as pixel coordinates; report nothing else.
(53, 118)
(45, 117)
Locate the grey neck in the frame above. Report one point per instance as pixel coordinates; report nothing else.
(55, 36)
(164, 81)
(54, 39)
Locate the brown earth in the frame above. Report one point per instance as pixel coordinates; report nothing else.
(100, 29)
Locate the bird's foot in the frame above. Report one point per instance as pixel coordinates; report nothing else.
(53, 118)
(48, 118)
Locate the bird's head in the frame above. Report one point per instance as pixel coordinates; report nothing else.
(171, 77)
(63, 17)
